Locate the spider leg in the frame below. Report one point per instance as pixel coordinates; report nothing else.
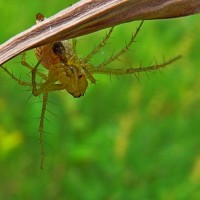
(25, 64)
(36, 92)
(122, 51)
(96, 49)
(74, 43)
(44, 89)
(41, 127)
(104, 70)
(20, 82)
(89, 75)
(53, 87)
(56, 87)
(34, 89)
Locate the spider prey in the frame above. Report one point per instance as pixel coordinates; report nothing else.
(66, 71)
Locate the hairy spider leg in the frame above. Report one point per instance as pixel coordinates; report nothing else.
(45, 96)
(20, 82)
(41, 127)
(122, 51)
(25, 64)
(97, 48)
(74, 43)
(48, 85)
(101, 69)
(44, 92)
(110, 71)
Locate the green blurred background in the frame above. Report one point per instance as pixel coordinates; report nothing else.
(126, 138)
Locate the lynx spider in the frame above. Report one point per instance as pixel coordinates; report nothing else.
(66, 71)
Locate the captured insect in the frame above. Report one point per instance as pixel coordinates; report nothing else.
(65, 70)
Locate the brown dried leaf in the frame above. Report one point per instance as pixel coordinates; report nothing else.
(88, 16)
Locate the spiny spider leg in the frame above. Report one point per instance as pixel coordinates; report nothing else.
(20, 82)
(89, 75)
(36, 92)
(44, 89)
(41, 127)
(25, 64)
(122, 51)
(74, 43)
(102, 44)
(104, 70)
(34, 89)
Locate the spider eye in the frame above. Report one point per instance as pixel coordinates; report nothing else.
(58, 48)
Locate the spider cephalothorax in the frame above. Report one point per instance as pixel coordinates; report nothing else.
(65, 70)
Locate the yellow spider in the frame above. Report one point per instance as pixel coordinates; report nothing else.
(66, 71)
